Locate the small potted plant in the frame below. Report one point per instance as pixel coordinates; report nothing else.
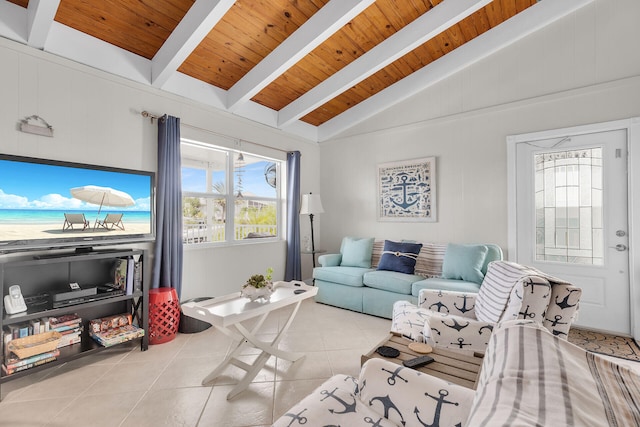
(258, 286)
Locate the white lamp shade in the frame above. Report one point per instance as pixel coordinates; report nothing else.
(311, 204)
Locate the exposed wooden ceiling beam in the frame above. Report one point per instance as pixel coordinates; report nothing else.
(80, 47)
(40, 15)
(527, 22)
(207, 94)
(322, 25)
(13, 22)
(413, 35)
(35, 25)
(192, 29)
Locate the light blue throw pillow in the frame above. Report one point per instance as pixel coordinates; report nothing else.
(356, 252)
(464, 262)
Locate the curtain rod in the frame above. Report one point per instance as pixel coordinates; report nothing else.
(150, 116)
(155, 116)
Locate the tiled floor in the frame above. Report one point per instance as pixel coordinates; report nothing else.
(162, 386)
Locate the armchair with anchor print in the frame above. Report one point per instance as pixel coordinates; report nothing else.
(528, 378)
(384, 395)
(509, 291)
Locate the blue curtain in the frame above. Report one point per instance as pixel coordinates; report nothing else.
(293, 270)
(167, 262)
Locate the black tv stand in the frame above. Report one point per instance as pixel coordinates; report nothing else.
(51, 274)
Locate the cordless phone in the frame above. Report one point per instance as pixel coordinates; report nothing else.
(14, 302)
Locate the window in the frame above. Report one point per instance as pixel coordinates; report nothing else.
(229, 196)
(568, 204)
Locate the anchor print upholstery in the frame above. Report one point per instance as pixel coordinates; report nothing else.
(409, 320)
(457, 332)
(529, 377)
(509, 291)
(335, 403)
(386, 394)
(562, 309)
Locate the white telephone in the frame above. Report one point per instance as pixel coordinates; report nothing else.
(14, 302)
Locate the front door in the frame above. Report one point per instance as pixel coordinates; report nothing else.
(572, 219)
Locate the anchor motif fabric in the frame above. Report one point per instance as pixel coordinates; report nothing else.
(465, 321)
(334, 403)
(496, 291)
(529, 377)
(444, 319)
(563, 309)
(529, 294)
(409, 320)
(386, 394)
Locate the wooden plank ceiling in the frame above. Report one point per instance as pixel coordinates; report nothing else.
(250, 30)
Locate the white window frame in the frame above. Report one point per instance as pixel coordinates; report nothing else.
(230, 197)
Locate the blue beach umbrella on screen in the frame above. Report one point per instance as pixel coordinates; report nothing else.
(103, 196)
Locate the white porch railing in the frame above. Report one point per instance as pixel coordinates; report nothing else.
(199, 232)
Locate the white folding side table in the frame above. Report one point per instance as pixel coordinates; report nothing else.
(227, 313)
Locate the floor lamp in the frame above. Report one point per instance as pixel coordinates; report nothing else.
(311, 205)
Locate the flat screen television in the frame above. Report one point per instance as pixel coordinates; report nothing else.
(48, 204)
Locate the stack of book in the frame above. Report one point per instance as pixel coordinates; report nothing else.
(14, 364)
(69, 326)
(114, 330)
(28, 352)
(127, 275)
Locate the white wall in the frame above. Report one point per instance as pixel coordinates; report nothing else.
(582, 69)
(96, 119)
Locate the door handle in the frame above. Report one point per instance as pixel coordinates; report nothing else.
(619, 247)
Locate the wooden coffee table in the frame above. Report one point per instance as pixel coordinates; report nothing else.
(456, 367)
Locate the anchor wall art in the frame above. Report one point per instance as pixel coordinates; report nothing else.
(407, 190)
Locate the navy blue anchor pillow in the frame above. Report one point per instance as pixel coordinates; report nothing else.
(400, 257)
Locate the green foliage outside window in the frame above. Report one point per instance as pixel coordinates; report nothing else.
(191, 208)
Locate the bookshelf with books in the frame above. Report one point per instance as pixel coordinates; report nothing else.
(113, 330)
(63, 294)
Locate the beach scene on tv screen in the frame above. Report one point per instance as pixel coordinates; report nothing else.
(43, 201)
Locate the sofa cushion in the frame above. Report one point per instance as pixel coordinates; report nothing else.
(378, 302)
(400, 257)
(348, 297)
(350, 276)
(444, 285)
(390, 281)
(464, 262)
(356, 252)
(330, 260)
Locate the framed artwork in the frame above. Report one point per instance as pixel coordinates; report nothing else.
(407, 190)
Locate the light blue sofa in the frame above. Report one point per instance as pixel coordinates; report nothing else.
(352, 279)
